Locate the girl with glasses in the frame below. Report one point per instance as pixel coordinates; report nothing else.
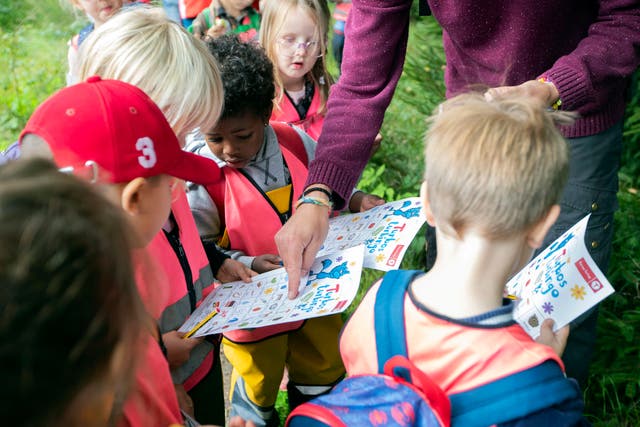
(294, 35)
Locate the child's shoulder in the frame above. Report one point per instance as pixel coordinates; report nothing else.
(294, 139)
(363, 314)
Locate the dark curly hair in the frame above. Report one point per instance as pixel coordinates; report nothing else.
(247, 76)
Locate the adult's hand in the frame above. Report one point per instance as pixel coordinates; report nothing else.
(299, 240)
(545, 92)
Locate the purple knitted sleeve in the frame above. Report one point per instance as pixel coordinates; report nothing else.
(375, 46)
(610, 50)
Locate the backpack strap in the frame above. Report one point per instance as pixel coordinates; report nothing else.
(388, 315)
(513, 397)
(289, 138)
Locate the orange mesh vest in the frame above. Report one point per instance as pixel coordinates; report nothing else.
(457, 357)
(182, 296)
(252, 219)
(312, 124)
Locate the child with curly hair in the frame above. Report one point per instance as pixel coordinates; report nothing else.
(264, 168)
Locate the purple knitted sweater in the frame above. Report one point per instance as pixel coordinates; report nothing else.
(587, 48)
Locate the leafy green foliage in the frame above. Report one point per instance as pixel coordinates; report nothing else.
(33, 59)
(613, 394)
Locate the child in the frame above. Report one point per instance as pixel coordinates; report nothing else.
(116, 132)
(143, 47)
(340, 15)
(189, 9)
(98, 13)
(264, 171)
(71, 316)
(227, 16)
(294, 35)
(494, 175)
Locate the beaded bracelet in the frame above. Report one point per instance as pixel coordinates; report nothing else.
(314, 201)
(321, 190)
(556, 105)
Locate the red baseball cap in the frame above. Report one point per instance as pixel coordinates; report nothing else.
(117, 126)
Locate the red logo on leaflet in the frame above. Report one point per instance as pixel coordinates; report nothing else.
(588, 275)
(393, 259)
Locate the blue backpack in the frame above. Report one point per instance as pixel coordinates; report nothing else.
(402, 395)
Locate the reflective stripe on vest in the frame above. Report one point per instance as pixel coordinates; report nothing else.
(252, 223)
(312, 124)
(179, 305)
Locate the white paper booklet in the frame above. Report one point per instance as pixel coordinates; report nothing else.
(386, 231)
(562, 282)
(330, 287)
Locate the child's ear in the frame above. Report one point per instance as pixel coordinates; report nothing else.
(131, 196)
(428, 213)
(536, 235)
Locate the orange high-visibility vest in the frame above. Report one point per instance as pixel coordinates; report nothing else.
(457, 357)
(152, 401)
(182, 296)
(312, 123)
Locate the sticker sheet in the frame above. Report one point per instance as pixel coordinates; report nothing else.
(386, 231)
(562, 282)
(330, 287)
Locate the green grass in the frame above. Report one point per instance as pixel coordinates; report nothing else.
(33, 37)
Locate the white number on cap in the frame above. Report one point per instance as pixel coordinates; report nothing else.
(148, 158)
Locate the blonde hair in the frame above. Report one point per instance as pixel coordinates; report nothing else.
(141, 46)
(273, 17)
(495, 167)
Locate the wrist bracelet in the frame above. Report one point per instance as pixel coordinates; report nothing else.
(556, 105)
(321, 190)
(313, 201)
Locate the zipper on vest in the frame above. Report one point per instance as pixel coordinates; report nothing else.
(173, 237)
(282, 216)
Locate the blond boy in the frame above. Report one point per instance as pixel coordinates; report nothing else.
(494, 174)
(143, 47)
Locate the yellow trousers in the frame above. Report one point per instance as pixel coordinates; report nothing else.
(311, 355)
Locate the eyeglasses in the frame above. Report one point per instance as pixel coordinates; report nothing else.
(290, 46)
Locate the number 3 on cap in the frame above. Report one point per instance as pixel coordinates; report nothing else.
(148, 158)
